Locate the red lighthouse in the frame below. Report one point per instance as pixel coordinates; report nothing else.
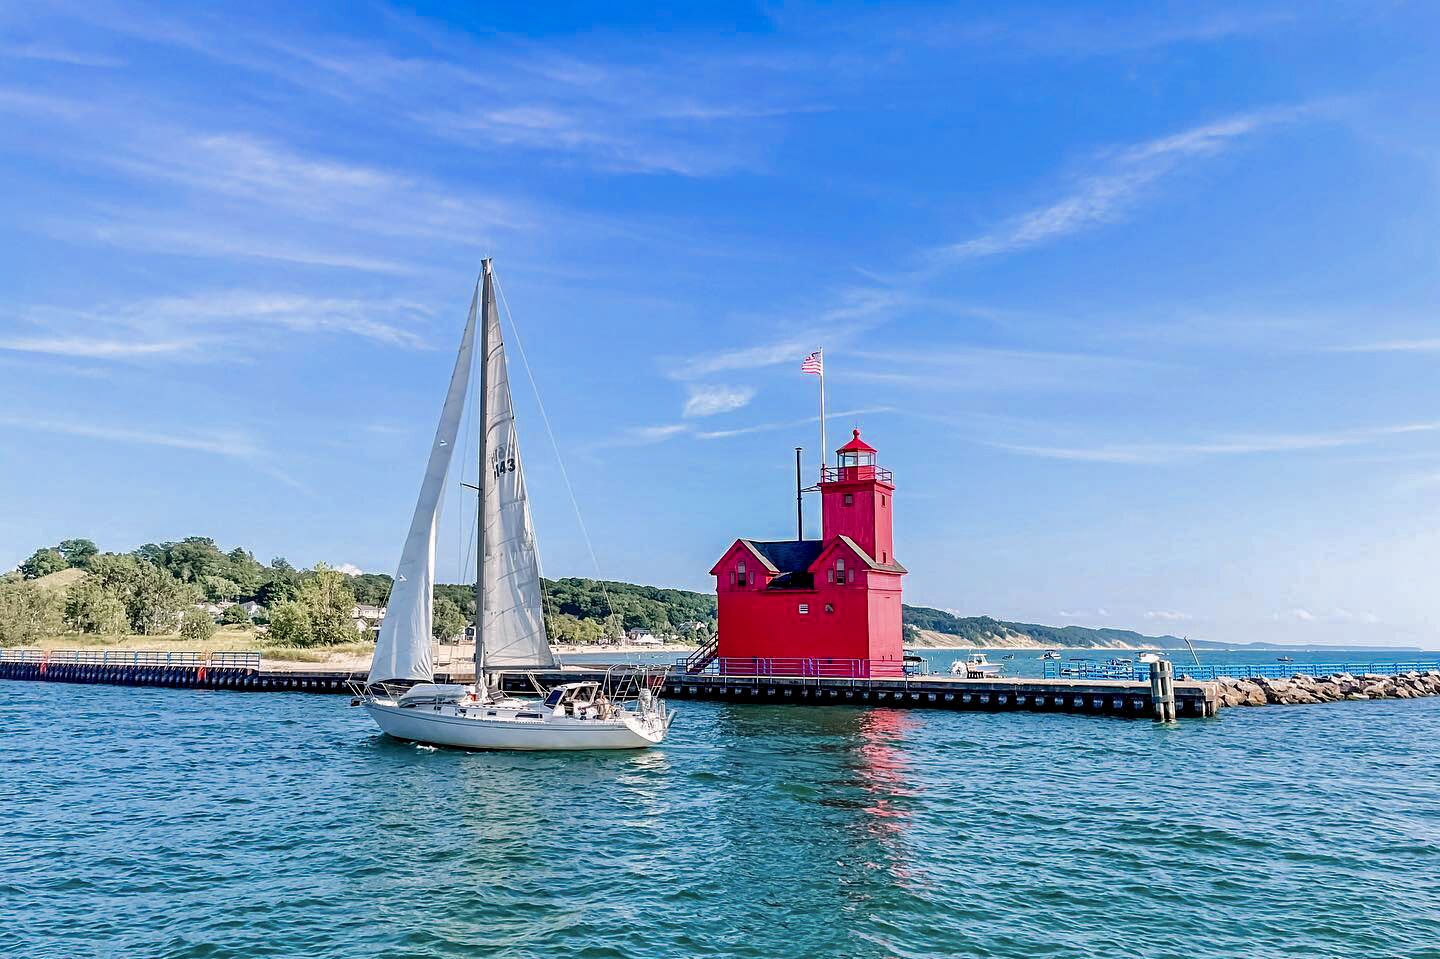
(827, 607)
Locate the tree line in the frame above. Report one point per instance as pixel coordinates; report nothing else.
(154, 589)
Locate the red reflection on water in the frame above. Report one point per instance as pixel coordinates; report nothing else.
(885, 768)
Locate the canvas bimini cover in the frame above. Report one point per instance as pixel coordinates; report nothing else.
(402, 651)
(513, 629)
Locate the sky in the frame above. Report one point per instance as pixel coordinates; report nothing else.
(1136, 300)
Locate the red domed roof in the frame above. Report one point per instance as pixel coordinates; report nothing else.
(856, 445)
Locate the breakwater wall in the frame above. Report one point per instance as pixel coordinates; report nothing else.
(1127, 700)
(1301, 689)
(244, 672)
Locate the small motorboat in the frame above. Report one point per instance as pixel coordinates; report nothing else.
(976, 666)
(1008, 656)
(1051, 654)
(1285, 659)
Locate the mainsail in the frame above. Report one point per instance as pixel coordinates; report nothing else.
(402, 651)
(513, 628)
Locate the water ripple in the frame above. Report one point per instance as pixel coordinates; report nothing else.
(186, 825)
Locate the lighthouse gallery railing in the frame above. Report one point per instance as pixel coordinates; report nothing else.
(798, 666)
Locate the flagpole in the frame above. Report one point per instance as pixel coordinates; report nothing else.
(824, 450)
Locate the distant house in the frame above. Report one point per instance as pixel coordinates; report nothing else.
(214, 609)
(253, 609)
(370, 614)
(642, 637)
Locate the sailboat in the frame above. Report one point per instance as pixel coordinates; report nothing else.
(400, 693)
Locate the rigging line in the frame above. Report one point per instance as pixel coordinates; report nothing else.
(554, 445)
(461, 549)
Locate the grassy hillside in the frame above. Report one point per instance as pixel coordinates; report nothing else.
(925, 626)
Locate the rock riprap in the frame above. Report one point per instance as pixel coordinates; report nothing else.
(1301, 690)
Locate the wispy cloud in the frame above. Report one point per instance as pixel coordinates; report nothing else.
(1160, 453)
(234, 242)
(56, 53)
(660, 433)
(711, 400)
(987, 368)
(86, 348)
(853, 312)
(1085, 614)
(167, 325)
(231, 444)
(838, 415)
(1424, 345)
(1106, 197)
(1168, 615)
(1083, 33)
(40, 104)
(1335, 615)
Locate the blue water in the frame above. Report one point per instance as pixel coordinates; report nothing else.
(167, 823)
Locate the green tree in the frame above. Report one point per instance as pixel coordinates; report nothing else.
(447, 621)
(77, 552)
(372, 589)
(28, 613)
(278, 589)
(218, 588)
(196, 626)
(328, 600)
(152, 597)
(93, 607)
(290, 625)
(43, 562)
(234, 615)
(194, 558)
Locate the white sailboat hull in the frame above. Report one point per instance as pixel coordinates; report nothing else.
(482, 727)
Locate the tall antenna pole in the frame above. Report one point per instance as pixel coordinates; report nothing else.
(823, 447)
(799, 500)
(487, 306)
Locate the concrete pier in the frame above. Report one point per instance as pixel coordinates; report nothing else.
(1129, 700)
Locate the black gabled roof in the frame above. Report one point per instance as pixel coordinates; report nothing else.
(789, 555)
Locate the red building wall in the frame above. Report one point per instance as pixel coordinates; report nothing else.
(865, 519)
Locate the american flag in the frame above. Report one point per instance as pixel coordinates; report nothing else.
(814, 363)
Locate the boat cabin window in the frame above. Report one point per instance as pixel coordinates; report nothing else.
(554, 698)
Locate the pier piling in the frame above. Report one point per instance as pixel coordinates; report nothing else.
(1162, 690)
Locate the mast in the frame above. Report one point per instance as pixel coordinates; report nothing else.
(484, 419)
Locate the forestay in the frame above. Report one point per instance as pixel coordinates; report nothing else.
(513, 630)
(402, 651)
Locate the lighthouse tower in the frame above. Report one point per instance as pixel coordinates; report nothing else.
(826, 607)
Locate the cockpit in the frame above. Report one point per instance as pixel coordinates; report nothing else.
(579, 700)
